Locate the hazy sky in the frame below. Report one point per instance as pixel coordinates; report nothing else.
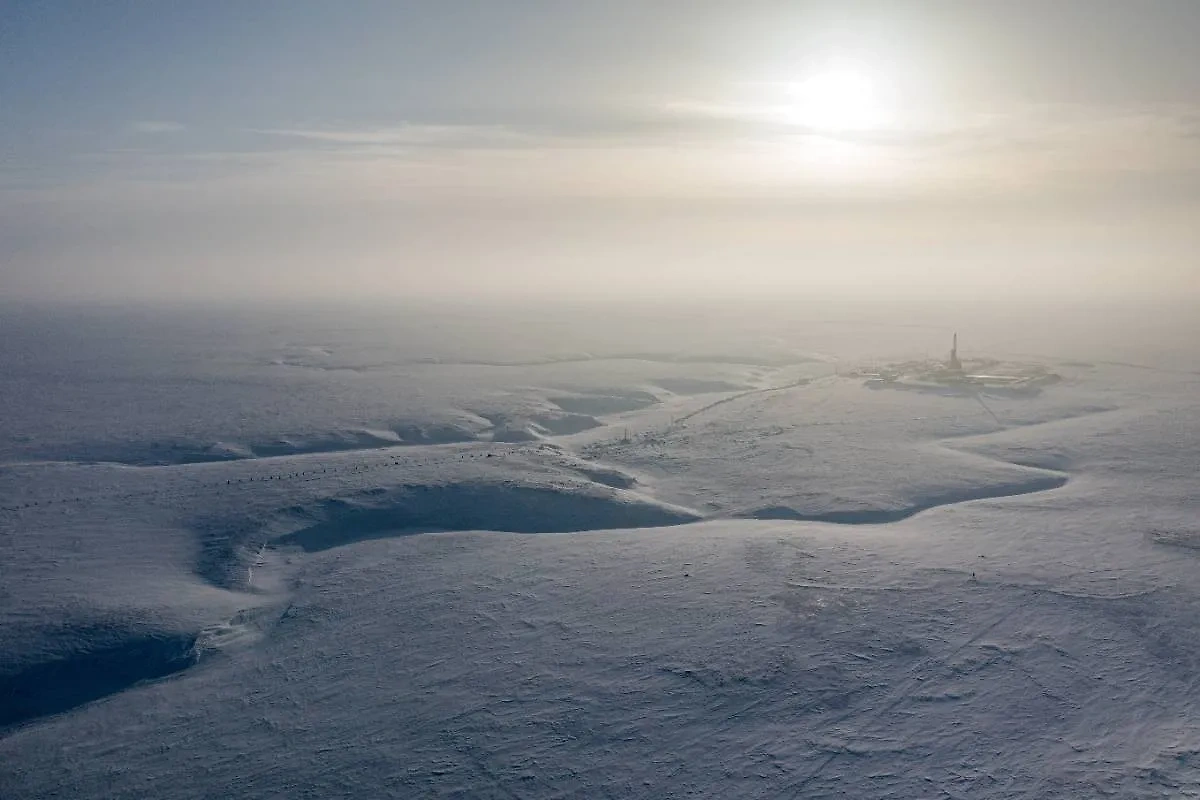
(299, 149)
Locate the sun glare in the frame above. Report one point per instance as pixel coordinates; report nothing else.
(845, 98)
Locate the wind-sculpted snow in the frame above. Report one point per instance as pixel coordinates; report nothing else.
(757, 659)
(464, 507)
(698, 386)
(158, 392)
(518, 419)
(879, 516)
(78, 666)
(528, 427)
(170, 450)
(497, 427)
(830, 450)
(1188, 538)
(1006, 607)
(601, 404)
(322, 359)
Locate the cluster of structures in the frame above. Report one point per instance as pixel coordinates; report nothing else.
(954, 373)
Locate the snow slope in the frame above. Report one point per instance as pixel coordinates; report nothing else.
(739, 579)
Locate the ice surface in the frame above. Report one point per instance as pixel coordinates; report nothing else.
(279, 558)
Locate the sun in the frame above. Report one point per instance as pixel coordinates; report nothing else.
(838, 99)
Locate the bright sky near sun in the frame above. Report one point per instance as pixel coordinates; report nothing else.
(305, 148)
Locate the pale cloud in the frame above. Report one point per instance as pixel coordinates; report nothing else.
(154, 126)
(404, 135)
(680, 150)
(1042, 126)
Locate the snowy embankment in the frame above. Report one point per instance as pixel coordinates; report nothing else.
(368, 622)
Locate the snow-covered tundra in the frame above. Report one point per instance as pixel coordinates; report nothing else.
(308, 559)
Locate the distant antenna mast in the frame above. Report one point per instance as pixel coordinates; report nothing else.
(954, 363)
